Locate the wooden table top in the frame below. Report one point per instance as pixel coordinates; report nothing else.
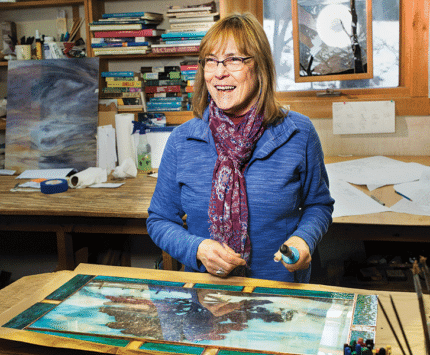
(130, 200)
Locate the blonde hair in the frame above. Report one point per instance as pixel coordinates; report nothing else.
(251, 40)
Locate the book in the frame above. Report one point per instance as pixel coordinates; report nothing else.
(120, 78)
(183, 34)
(164, 94)
(143, 14)
(119, 51)
(161, 75)
(124, 39)
(186, 67)
(193, 25)
(114, 95)
(153, 104)
(193, 19)
(176, 49)
(120, 27)
(131, 84)
(169, 88)
(120, 44)
(123, 22)
(190, 8)
(161, 109)
(121, 89)
(167, 99)
(148, 32)
(161, 82)
(105, 74)
(190, 14)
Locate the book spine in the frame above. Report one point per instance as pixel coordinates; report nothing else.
(189, 67)
(162, 75)
(118, 51)
(122, 40)
(148, 32)
(167, 99)
(163, 94)
(152, 104)
(134, 84)
(121, 89)
(119, 44)
(119, 78)
(169, 88)
(184, 49)
(161, 109)
(182, 34)
(120, 27)
(161, 82)
(117, 73)
(133, 14)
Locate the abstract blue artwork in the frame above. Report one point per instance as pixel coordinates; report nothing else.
(52, 114)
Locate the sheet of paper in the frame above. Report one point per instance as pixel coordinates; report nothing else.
(349, 201)
(417, 191)
(375, 171)
(108, 185)
(106, 148)
(410, 207)
(44, 174)
(7, 172)
(363, 117)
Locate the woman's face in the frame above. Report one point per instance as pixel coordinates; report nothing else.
(234, 92)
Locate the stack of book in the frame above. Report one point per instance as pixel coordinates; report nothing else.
(163, 88)
(188, 25)
(126, 87)
(125, 33)
(188, 75)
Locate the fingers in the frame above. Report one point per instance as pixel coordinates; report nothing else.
(219, 259)
(304, 253)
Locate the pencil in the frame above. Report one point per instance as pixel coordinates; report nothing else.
(418, 290)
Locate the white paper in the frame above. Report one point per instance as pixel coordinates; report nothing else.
(44, 174)
(410, 207)
(106, 144)
(7, 172)
(349, 201)
(417, 191)
(124, 129)
(363, 117)
(109, 185)
(374, 171)
(157, 141)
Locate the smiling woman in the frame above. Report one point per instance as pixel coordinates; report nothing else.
(213, 167)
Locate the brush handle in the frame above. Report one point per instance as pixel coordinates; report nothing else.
(290, 255)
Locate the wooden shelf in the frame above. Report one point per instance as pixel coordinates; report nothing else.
(2, 124)
(39, 3)
(3, 63)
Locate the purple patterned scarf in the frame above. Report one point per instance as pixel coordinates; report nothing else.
(228, 206)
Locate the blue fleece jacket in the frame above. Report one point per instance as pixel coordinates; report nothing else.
(286, 183)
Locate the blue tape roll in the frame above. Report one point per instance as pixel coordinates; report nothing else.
(54, 186)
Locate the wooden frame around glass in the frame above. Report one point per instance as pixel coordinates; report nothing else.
(360, 71)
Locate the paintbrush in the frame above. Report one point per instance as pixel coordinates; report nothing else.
(417, 284)
(400, 324)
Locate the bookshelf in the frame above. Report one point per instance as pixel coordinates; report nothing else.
(93, 10)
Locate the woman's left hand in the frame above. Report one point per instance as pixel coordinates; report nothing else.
(304, 252)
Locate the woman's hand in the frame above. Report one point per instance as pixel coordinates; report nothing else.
(219, 259)
(304, 252)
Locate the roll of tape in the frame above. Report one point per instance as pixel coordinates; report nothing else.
(54, 186)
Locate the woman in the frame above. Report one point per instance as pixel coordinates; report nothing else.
(248, 175)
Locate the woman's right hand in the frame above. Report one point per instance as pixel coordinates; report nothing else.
(219, 259)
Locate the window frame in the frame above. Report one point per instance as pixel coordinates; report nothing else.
(412, 94)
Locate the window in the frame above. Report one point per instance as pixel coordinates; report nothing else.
(408, 88)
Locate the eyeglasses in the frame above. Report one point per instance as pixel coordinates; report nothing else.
(231, 63)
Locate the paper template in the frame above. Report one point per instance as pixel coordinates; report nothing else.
(363, 117)
(374, 171)
(349, 201)
(417, 191)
